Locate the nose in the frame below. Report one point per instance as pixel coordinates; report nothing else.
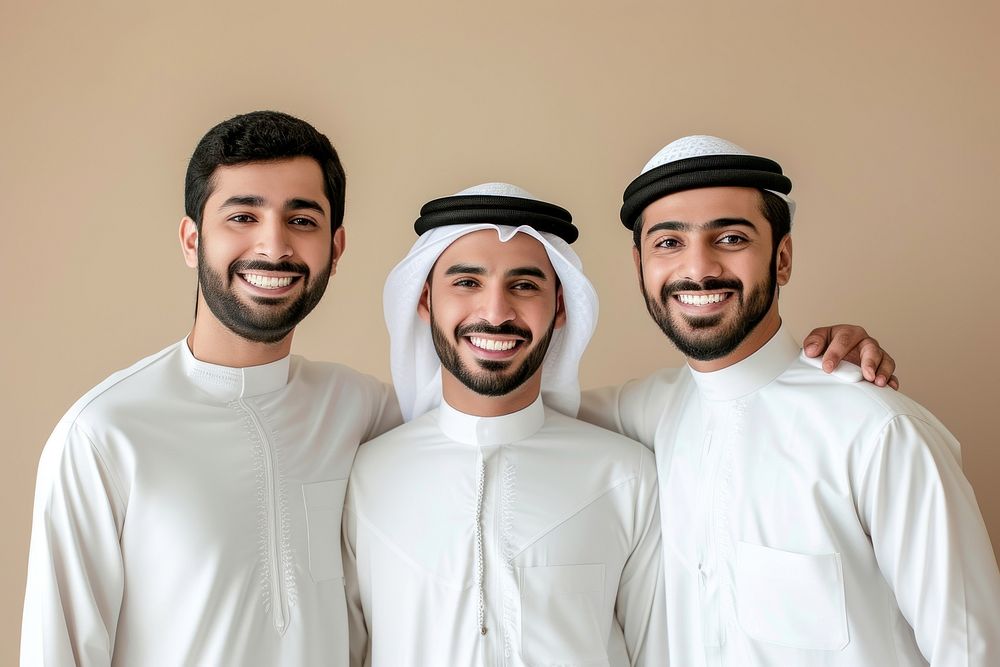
(495, 306)
(273, 240)
(701, 261)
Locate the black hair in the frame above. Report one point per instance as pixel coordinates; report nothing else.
(261, 136)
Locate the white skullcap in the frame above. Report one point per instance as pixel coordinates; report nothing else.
(702, 161)
(416, 369)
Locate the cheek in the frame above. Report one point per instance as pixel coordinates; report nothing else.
(655, 273)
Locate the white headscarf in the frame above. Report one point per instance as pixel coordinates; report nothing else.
(416, 369)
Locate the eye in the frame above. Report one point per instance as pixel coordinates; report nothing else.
(242, 218)
(301, 221)
(465, 282)
(667, 243)
(733, 239)
(525, 286)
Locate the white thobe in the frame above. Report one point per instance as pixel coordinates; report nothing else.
(189, 514)
(560, 515)
(809, 520)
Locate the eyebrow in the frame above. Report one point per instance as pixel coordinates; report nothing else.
(242, 200)
(293, 204)
(719, 223)
(533, 271)
(298, 203)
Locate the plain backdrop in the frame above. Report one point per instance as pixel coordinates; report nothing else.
(884, 114)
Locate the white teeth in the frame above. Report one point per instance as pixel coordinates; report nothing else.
(700, 299)
(267, 282)
(492, 345)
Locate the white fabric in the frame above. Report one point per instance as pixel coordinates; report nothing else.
(571, 546)
(189, 514)
(703, 145)
(808, 520)
(416, 369)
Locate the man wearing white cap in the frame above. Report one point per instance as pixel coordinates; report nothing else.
(491, 530)
(808, 519)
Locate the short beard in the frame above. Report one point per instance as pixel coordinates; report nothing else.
(271, 323)
(753, 306)
(493, 381)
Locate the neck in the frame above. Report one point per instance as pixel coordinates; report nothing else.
(210, 341)
(756, 339)
(465, 400)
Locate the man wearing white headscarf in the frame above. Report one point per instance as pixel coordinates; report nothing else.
(490, 529)
(807, 519)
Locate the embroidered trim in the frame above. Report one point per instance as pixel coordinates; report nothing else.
(287, 551)
(283, 551)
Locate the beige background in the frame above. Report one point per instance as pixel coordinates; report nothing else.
(883, 113)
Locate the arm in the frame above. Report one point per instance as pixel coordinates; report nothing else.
(846, 342)
(75, 569)
(931, 544)
(386, 416)
(641, 607)
(600, 407)
(636, 408)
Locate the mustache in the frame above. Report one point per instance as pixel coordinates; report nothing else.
(243, 265)
(505, 329)
(707, 285)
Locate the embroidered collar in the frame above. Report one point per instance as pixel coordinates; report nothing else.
(228, 384)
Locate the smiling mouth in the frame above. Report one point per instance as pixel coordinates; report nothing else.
(703, 299)
(268, 282)
(493, 345)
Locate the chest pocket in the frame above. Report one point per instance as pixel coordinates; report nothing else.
(324, 502)
(791, 599)
(562, 620)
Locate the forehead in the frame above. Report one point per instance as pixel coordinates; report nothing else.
(274, 180)
(484, 248)
(704, 204)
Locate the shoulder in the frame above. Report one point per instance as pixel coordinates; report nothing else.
(591, 442)
(845, 397)
(122, 389)
(330, 373)
(328, 377)
(394, 445)
(76, 439)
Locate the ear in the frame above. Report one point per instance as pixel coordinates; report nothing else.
(560, 319)
(424, 304)
(189, 242)
(339, 246)
(784, 271)
(637, 258)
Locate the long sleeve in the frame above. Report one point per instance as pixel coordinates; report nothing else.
(75, 569)
(600, 407)
(931, 544)
(641, 605)
(387, 415)
(358, 626)
(637, 408)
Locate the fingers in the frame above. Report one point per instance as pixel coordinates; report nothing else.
(883, 373)
(872, 356)
(845, 339)
(894, 383)
(816, 341)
